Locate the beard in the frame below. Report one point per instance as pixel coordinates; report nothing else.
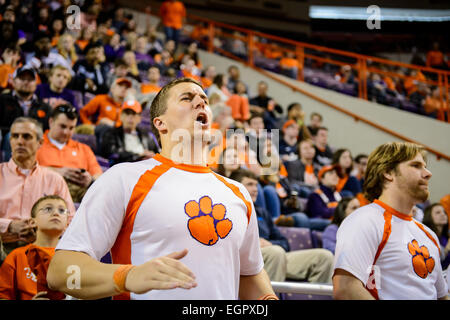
(418, 193)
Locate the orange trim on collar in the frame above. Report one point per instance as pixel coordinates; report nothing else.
(392, 211)
(184, 167)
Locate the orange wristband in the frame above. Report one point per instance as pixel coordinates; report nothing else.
(268, 296)
(120, 276)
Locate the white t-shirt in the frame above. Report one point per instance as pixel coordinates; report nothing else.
(138, 226)
(408, 266)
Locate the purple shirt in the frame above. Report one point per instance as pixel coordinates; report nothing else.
(53, 98)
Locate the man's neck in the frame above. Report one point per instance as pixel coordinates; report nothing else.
(26, 164)
(307, 161)
(399, 201)
(290, 140)
(24, 96)
(46, 240)
(195, 158)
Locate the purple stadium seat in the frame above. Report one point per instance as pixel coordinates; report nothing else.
(77, 205)
(104, 163)
(298, 238)
(316, 238)
(88, 139)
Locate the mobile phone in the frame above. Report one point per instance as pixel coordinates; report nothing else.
(82, 171)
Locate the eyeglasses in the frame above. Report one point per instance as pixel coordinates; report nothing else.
(50, 209)
(69, 110)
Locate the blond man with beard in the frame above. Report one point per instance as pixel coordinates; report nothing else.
(381, 251)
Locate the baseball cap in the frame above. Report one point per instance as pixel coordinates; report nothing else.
(288, 124)
(23, 69)
(123, 80)
(324, 170)
(132, 105)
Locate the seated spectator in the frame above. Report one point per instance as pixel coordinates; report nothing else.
(155, 45)
(219, 86)
(295, 112)
(128, 143)
(130, 59)
(302, 173)
(11, 59)
(239, 105)
(288, 147)
(73, 160)
(22, 101)
(435, 57)
(413, 78)
(86, 36)
(23, 181)
(23, 274)
(315, 121)
(344, 208)
(66, 48)
(166, 64)
(348, 185)
(114, 48)
(207, 76)
(42, 59)
(153, 85)
(436, 219)
(121, 70)
(143, 58)
(234, 76)
(289, 65)
(91, 72)
(435, 106)
(312, 265)
(189, 70)
(55, 93)
(262, 103)
(345, 75)
(106, 108)
(324, 154)
(323, 201)
(192, 52)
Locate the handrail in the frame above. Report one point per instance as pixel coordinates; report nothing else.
(438, 154)
(303, 288)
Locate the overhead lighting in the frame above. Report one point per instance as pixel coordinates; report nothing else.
(386, 14)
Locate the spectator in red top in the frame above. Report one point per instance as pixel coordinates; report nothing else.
(435, 57)
(173, 15)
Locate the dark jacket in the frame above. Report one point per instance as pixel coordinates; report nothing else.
(10, 109)
(317, 208)
(113, 145)
(84, 71)
(296, 171)
(268, 230)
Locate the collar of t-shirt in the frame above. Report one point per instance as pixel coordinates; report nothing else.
(57, 144)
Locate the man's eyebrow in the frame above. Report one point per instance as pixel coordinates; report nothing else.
(190, 94)
(418, 162)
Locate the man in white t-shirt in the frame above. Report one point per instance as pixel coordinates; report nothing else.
(382, 252)
(153, 213)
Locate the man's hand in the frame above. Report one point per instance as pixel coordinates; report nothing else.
(161, 274)
(264, 243)
(76, 176)
(25, 229)
(147, 154)
(40, 296)
(107, 122)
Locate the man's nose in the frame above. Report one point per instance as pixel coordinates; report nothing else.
(198, 102)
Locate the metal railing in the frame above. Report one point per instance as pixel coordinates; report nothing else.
(303, 288)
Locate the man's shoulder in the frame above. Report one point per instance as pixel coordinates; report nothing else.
(370, 214)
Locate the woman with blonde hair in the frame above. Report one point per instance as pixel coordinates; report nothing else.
(66, 48)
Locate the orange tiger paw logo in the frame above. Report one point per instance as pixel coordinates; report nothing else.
(207, 222)
(423, 263)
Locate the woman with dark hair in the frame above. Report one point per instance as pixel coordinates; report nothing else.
(219, 86)
(436, 219)
(348, 185)
(345, 207)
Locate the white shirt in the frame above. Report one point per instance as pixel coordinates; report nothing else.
(138, 227)
(401, 272)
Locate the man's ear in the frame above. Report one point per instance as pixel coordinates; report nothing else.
(388, 176)
(160, 125)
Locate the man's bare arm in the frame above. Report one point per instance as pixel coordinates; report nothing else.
(254, 287)
(96, 278)
(347, 287)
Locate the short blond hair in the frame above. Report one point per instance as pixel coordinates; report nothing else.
(385, 159)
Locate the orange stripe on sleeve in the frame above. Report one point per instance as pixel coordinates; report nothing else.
(428, 235)
(238, 193)
(121, 251)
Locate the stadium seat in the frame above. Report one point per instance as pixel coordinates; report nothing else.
(298, 238)
(316, 238)
(88, 139)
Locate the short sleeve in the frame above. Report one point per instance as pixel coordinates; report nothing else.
(250, 252)
(8, 278)
(99, 218)
(357, 241)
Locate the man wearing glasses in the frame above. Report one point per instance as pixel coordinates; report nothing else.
(73, 160)
(23, 273)
(22, 182)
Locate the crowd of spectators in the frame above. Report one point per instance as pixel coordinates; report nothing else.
(75, 102)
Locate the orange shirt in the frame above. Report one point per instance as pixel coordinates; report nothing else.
(240, 108)
(104, 105)
(82, 43)
(17, 280)
(172, 14)
(149, 88)
(73, 155)
(188, 74)
(289, 63)
(6, 72)
(389, 83)
(206, 82)
(341, 183)
(435, 58)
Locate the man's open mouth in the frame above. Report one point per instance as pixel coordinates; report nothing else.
(202, 118)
